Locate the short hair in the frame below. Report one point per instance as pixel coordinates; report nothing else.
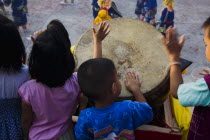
(50, 61)
(95, 77)
(12, 49)
(206, 25)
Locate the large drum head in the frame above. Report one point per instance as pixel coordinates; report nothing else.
(133, 45)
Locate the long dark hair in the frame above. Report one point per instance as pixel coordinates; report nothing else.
(50, 61)
(12, 50)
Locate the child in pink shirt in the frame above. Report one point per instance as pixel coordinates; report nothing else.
(50, 98)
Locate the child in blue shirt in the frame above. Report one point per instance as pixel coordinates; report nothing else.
(18, 12)
(139, 8)
(109, 120)
(167, 16)
(150, 7)
(191, 94)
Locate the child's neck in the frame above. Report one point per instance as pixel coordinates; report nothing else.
(104, 103)
(170, 8)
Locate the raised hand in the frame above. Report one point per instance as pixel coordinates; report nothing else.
(101, 32)
(99, 36)
(173, 46)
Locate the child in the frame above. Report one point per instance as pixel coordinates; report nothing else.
(64, 2)
(50, 98)
(103, 14)
(109, 120)
(13, 73)
(191, 94)
(139, 8)
(151, 10)
(167, 16)
(112, 11)
(18, 12)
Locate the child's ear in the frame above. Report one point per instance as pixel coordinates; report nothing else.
(114, 88)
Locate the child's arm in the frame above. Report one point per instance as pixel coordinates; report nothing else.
(98, 37)
(173, 47)
(132, 84)
(27, 117)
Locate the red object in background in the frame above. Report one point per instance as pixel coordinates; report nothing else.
(154, 135)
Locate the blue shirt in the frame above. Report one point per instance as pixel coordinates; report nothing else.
(153, 4)
(118, 120)
(16, 4)
(167, 15)
(95, 3)
(11, 82)
(194, 94)
(139, 3)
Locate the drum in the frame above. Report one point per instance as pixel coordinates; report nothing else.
(133, 45)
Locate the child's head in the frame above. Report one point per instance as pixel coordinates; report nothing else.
(169, 3)
(98, 79)
(206, 26)
(105, 3)
(12, 50)
(58, 27)
(51, 61)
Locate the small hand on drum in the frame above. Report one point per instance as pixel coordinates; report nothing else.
(132, 82)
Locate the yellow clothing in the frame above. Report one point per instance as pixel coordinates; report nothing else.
(102, 16)
(183, 116)
(72, 49)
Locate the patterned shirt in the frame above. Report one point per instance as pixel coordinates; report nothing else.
(117, 121)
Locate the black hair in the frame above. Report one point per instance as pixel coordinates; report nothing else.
(96, 77)
(206, 25)
(56, 26)
(12, 49)
(50, 61)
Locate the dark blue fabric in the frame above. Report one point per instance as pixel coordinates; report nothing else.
(19, 17)
(95, 6)
(153, 4)
(18, 12)
(1, 3)
(10, 119)
(163, 19)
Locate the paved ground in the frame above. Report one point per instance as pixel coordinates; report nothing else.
(189, 16)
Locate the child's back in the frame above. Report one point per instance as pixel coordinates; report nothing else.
(53, 107)
(118, 120)
(108, 119)
(12, 75)
(51, 97)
